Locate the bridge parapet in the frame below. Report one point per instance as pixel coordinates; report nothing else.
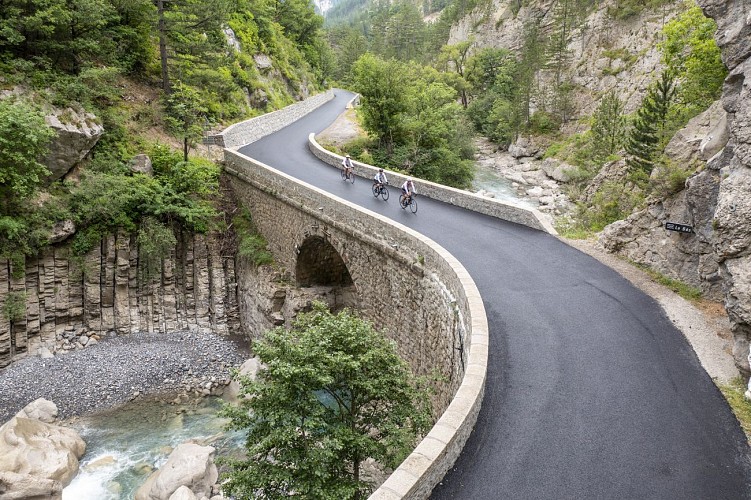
(251, 130)
(408, 285)
(488, 206)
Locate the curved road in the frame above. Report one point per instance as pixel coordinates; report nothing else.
(591, 392)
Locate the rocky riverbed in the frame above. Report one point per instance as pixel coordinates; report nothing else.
(121, 368)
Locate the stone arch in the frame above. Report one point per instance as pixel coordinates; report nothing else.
(319, 264)
(321, 274)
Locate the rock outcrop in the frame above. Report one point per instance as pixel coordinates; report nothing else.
(37, 459)
(72, 302)
(77, 132)
(189, 465)
(717, 199)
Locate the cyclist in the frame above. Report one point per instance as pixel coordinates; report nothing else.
(347, 164)
(408, 191)
(380, 178)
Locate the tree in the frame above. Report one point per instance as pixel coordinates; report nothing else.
(24, 138)
(608, 126)
(454, 57)
(691, 53)
(383, 88)
(531, 61)
(648, 132)
(333, 393)
(185, 115)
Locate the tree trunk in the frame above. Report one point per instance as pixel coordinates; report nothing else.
(163, 46)
(185, 148)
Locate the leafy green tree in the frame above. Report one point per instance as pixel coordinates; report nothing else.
(24, 139)
(648, 135)
(383, 89)
(185, 115)
(454, 58)
(608, 126)
(691, 53)
(332, 394)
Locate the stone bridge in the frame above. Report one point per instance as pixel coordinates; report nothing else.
(406, 284)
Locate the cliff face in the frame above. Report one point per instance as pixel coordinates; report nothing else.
(605, 54)
(60, 300)
(732, 215)
(716, 200)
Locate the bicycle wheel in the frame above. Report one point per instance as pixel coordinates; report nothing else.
(384, 193)
(352, 177)
(344, 174)
(402, 201)
(375, 190)
(413, 205)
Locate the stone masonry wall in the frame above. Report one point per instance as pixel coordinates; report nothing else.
(495, 208)
(251, 130)
(406, 284)
(64, 298)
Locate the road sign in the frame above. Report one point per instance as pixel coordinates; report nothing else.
(209, 140)
(681, 228)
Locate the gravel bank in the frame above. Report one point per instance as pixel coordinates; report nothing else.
(118, 369)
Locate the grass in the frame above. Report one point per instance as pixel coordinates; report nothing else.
(741, 407)
(688, 292)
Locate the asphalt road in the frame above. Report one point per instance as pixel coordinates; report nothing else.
(591, 391)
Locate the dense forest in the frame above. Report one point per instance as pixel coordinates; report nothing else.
(152, 75)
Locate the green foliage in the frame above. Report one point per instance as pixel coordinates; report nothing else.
(669, 177)
(24, 138)
(610, 203)
(155, 242)
(185, 115)
(649, 131)
(688, 292)
(608, 126)
(624, 9)
(14, 307)
(692, 55)
(734, 393)
(251, 244)
(333, 393)
(416, 122)
(103, 202)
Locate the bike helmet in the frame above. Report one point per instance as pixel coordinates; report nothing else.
(380, 170)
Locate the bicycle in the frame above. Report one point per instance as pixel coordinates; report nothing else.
(380, 190)
(408, 201)
(348, 176)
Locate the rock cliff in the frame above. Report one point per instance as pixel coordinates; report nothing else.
(716, 200)
(64, 302)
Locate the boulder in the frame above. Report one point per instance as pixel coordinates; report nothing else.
(702, 137)
(76, 134)
(263, 62)
(556, 170)
(183, 493)
(40, 450)
(15, 486)
(62, 230)
(40, 409)
(248, 369)
(188, 465)
(141, 164)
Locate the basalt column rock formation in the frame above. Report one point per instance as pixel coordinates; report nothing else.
(59, 301)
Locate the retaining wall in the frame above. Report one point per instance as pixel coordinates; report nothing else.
(251, 130)
(488, 206)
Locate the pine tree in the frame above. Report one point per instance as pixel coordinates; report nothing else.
(646, 138)
(608, 126)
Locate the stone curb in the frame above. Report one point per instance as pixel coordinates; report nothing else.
(495, 208)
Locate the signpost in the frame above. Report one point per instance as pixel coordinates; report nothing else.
(681, 228)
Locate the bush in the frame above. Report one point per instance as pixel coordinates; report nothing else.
(251, 244)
